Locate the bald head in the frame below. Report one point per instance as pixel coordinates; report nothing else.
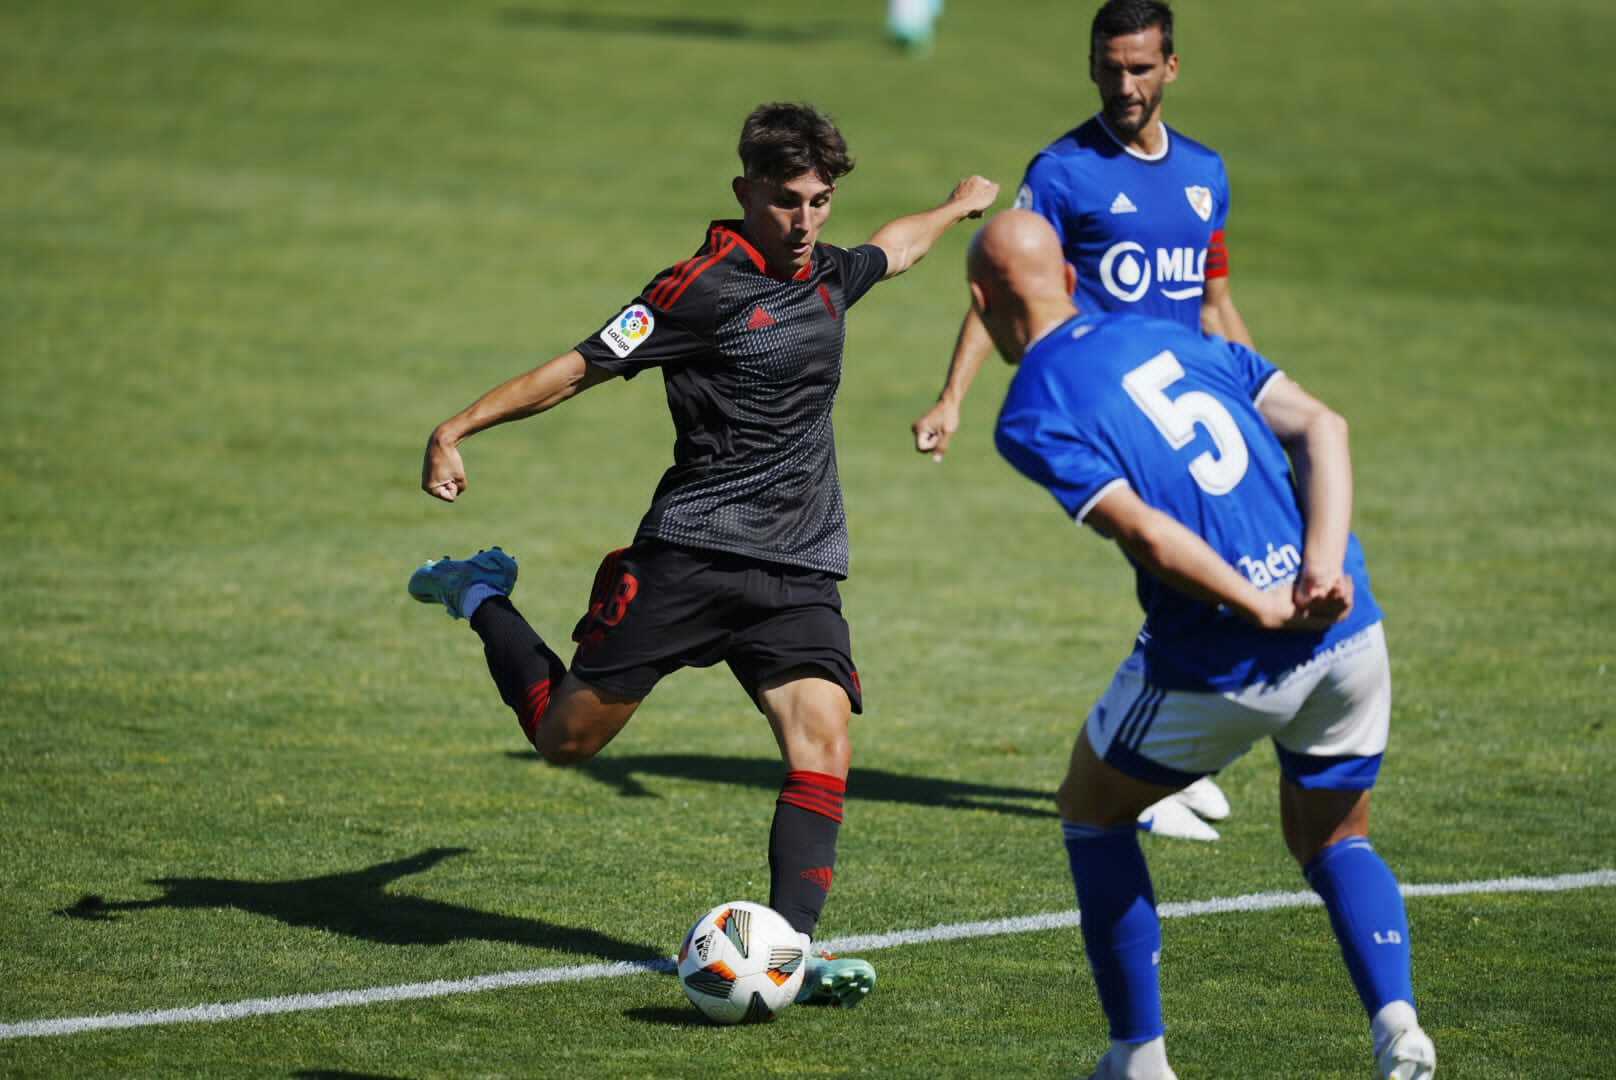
(1020, 279)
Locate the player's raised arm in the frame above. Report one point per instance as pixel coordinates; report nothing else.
(443, 475)
(906, 240)
(1315, 437)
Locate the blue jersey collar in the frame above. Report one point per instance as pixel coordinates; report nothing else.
(1167, 141)
(1074, 327)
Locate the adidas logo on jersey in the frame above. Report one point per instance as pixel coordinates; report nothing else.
(1123, 205)
(760, 319)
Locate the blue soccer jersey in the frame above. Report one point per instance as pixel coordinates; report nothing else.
(1144, 233)
(1106, 400)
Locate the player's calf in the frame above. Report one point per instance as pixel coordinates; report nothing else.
(526, 671)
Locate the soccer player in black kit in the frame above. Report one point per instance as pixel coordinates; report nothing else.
(739, 555)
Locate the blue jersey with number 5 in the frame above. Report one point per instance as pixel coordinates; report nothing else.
(1107, 400)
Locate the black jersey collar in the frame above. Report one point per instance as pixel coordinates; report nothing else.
(720, 231)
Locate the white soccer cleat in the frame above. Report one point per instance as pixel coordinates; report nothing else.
(1206, 799)
(1170, 817)
(1151, 1066)
(1409, 1056)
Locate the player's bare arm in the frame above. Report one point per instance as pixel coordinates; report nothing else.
(443, 474)
(1316, 438)
(937, 425)
(906, 240)
(1172, 552)
(1219, 315)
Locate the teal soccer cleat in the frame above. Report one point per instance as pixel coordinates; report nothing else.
(832, 981)
(446, 580)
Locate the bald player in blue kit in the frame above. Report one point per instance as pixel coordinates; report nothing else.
(1140, 210)
(1259, 621)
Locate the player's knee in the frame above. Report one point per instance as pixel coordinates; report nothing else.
(830, 755)
(566, 744)
(835, 751)
(1080, 804)
(567, 750)
(1316, 819)
(1069, 804)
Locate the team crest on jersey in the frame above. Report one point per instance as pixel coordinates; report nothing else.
(631, 328)
(1200, 201)
(1024, 198)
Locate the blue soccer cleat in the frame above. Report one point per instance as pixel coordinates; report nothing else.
(830, 980)
(445, 581)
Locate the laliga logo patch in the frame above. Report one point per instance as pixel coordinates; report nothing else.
(1200, 201)
(632, 327)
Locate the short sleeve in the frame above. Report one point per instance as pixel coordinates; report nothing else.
(646, 334)
(1252, 368)
(861, 269)
(1038, 437)
(1044, 192)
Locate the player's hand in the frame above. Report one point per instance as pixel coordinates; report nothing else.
(974, 195)
(443, 474)
(1322, 595)
(935, 428)
(1279, 611)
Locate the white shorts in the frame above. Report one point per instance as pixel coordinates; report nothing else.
(1328, 718)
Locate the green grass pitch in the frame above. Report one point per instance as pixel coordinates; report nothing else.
(250, 253)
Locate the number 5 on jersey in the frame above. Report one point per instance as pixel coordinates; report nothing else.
(1175, 418)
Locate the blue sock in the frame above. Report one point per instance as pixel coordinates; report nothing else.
(1366, 910)
(473, 597)
(1121, 930)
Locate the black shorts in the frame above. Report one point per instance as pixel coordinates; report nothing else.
(656, 608)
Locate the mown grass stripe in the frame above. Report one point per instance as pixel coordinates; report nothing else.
(238, 1010)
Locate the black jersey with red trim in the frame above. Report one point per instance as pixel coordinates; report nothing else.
(751, 363)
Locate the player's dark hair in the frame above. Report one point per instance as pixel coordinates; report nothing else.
(1117, 18)
(782, 140)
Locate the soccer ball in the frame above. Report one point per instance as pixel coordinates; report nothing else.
(741, 963)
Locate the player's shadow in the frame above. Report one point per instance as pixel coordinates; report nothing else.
(683, 26)
(628, 772)
(357, 904)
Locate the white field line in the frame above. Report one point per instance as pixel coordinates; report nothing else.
(236, 1010)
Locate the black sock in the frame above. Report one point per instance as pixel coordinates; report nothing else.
(802, 846)
(523, 666)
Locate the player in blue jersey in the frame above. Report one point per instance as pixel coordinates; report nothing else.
(1140, 211)
(1259, 620)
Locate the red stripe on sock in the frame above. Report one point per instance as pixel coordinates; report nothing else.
(817, 793)
(813, 806)
(825, 781)
(538, 703)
